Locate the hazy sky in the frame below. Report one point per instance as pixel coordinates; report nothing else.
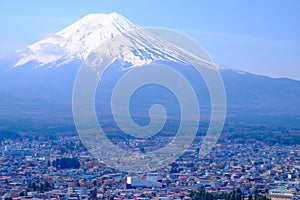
(257, 36)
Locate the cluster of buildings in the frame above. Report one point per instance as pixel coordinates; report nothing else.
(27, 172)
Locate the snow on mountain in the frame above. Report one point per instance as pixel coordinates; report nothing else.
(135, 46)
(77, 40)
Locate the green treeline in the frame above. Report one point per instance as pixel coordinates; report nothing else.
(201, 194)
(66, 163)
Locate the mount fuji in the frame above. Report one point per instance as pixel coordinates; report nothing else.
(36, 83)
(76, 41)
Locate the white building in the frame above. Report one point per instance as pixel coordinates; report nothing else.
(151, 181)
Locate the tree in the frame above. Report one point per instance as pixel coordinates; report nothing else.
(66, 163)
(255, 191)
(34, 187)
(250, 197)
(22, 194)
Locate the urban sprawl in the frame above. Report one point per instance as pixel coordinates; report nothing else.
(61, 168)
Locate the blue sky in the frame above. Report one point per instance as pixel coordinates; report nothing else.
(256, 36)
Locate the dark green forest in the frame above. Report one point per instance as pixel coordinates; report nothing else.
(66, 163)
(201, 194)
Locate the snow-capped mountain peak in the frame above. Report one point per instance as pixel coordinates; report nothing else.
(109, 35)
(75, 41)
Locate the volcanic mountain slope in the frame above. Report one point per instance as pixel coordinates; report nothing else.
(39, 82)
